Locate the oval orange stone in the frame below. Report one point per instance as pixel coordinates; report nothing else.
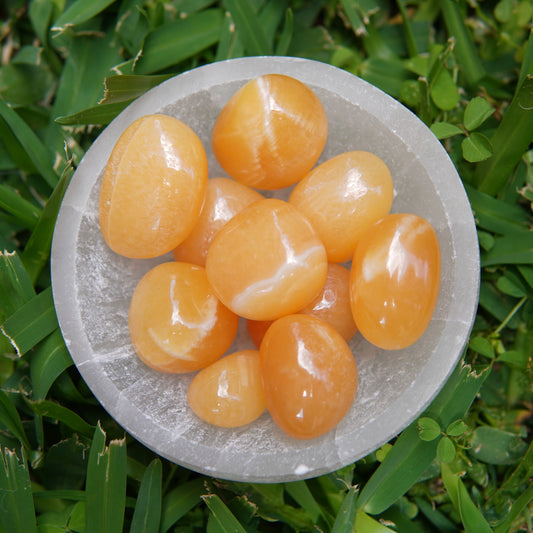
(271, 132)
(176, 322)
(395, 280)
(224, 198)
(332, 305)
(342, 197)
(229, 393)
(309, 375)
(267, 261)
(153, 187)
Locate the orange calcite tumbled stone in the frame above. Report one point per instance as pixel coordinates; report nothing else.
(176, 322)
(395, 280)
(267, 261)
(224, 198)
(309, 375)
(229, 393)
(153, 187)
(332, 305)
(342, 197)
(271, 132)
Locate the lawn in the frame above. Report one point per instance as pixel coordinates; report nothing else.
(465, 68)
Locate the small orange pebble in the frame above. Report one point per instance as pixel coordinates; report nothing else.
(224, 198)
(332, 305)
(229, 393)
(309, 375)
(271, 132)
(153, 187)
(176, 322)
(342, 197)
(267, 261)
(395, 280)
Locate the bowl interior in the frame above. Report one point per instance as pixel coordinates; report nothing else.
(92, 285)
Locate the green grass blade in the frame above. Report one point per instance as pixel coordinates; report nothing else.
(126, 88)
(37, 152)
(37, 250)
(50, 359)
(367, 524)
(464, 48)
(410, 456)
(300, 493)
(229, 45)
(519, 505)
(105, 485)
(408, 30)
(345, 519)
(147, 514)
(285, 37)
(25, 212)
(17, 509)
(224, 518)
(10, 419)
(31, 323)
(270, 16)
(249, 27)
(16, 287)
(179, 501)
(99, 114)
(61, 414)
(510, 141)
(352, 15)
(516, 248)
(174, 42)
(78, 12)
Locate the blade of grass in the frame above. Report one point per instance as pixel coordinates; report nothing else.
(31, 323)
(354, 19)
(249, 27)
(510, 141)
(50, 359)
(174, 42)
(229, 45)
(224, 518)
(37, 250)
(344, 522)
(78, 12)
(61, 414)
(37, 152)
(101, 114)
(18, 511)
(270, 16)
(300, 493)
(105, 485)
(179, 501)
(464, 48)
(516, 248)
(26, 212)
(16, 288)
(10, 419)
(367, 524)
(410, 456)
(408, 30)
(147, 514)
(285, 37)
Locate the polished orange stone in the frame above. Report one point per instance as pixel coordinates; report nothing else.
(224, 198)
(309, 375)
(229, 393)
(342, 197)
(176, 322)
(271, 132)
(153, 187)
(267, 261)
(332, 305)
(395, 280)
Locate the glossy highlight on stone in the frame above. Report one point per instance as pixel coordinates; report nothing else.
(224, 198)
(309, 375)
(153, 187)
(395, 280)
(229, 393)
(271, 132)
(176, 322)
(267, 261)
(342, 197)
(332, 305)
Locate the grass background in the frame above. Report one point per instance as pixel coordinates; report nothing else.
(464, 67)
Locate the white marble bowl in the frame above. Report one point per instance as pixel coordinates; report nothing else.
(92, 286)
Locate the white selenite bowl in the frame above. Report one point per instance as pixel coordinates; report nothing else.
(92, 285)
